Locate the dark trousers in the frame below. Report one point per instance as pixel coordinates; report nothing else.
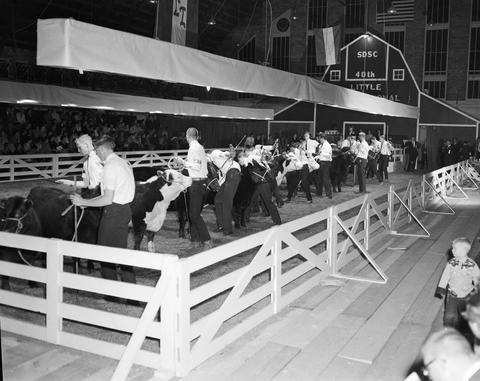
(324, 178)
(304, 172)
(224, 200)
(199, 229)
(265, 194)
(371, 168)
(361, 165)
(113, 232)
(454, 306)
(293, 178)
(411, 162)
(383, 167)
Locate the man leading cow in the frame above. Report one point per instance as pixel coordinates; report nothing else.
(118, 190)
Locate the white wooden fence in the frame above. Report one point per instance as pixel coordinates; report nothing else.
(47, 166)
(249, 279)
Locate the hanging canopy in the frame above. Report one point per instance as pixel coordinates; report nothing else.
(77, 45)
(29, 93)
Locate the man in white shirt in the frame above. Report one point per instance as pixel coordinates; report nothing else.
(325, 160)
(92, 169)
(196, 165)
(118, 190)
(360, 150)
(373, 154)
(385, 150)
(229, 171)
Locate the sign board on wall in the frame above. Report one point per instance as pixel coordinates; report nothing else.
(367, 60)
(371, 66)
(179, 22)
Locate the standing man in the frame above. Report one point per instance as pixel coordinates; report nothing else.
(373, 154)
(92, 169)
(360, 150)
(229, 180)
(411, 153)
(325, 159)
(386, 150)
(196, 165)
(309, 147)
(118, 190)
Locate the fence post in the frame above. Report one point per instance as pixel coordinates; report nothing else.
(423, 191)
(54, 291)
(390, 209)
(182, 339)
(12, 169)
(410, 201)
(366, 225)
(276, 271)
(55, 166)
(168, 323)
(332, 240)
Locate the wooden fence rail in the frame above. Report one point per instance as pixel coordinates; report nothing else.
(266, 271)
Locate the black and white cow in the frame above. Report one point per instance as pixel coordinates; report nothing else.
(152, 199)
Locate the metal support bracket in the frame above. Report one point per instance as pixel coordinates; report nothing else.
(367, 256)
(443, 199)
(412, 215)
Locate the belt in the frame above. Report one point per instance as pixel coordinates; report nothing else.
(198, 178)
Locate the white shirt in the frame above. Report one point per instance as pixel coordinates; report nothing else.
(386, 148)
(223, 162)
(310, 146)
(360, 149)
(92, 171)
(197, 161)
(375, 146)
(325, 153)
(118, 177)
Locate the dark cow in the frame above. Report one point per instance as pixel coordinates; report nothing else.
(18, 216)
(339, 169)
(57, 216)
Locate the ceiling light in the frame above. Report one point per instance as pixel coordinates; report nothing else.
(392, 10)
(208, 88)
(212, 21)
(21, 101)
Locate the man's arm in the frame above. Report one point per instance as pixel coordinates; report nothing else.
(78, 184)
(103, 200)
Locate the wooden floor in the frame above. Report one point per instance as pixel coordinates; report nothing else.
(339, 331)
(355, 331)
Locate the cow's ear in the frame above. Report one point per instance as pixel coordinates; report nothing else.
(28, 203)
(160, 173)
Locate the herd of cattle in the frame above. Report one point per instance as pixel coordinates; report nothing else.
(47, 211)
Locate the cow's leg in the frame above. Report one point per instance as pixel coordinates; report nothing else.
(150, 241)
(5, 283)
(138, 237)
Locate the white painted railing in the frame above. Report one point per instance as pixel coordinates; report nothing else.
(46, 166)
(249, 279)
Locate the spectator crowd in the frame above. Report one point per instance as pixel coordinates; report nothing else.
(28, 130)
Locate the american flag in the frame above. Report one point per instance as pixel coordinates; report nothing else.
(400, 11)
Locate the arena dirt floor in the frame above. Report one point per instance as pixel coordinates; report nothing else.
(167, 241)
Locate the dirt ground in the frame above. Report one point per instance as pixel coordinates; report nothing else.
(167, 241)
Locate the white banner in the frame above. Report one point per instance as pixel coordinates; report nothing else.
(179, 22)
(81, 46)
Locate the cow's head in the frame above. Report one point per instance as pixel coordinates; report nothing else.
(12, 212)
(175, 177)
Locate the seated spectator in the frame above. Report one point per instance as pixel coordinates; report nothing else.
(447, 356)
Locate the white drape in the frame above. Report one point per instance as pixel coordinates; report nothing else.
(78, 45)
(17, 92)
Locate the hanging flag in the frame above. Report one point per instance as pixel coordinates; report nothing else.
(179, 22)
(327, 45)
(395, 11)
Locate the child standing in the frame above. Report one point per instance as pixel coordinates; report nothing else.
(459, 279)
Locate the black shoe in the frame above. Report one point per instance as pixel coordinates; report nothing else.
(218, 230)
(310, 201)
(330, 197)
